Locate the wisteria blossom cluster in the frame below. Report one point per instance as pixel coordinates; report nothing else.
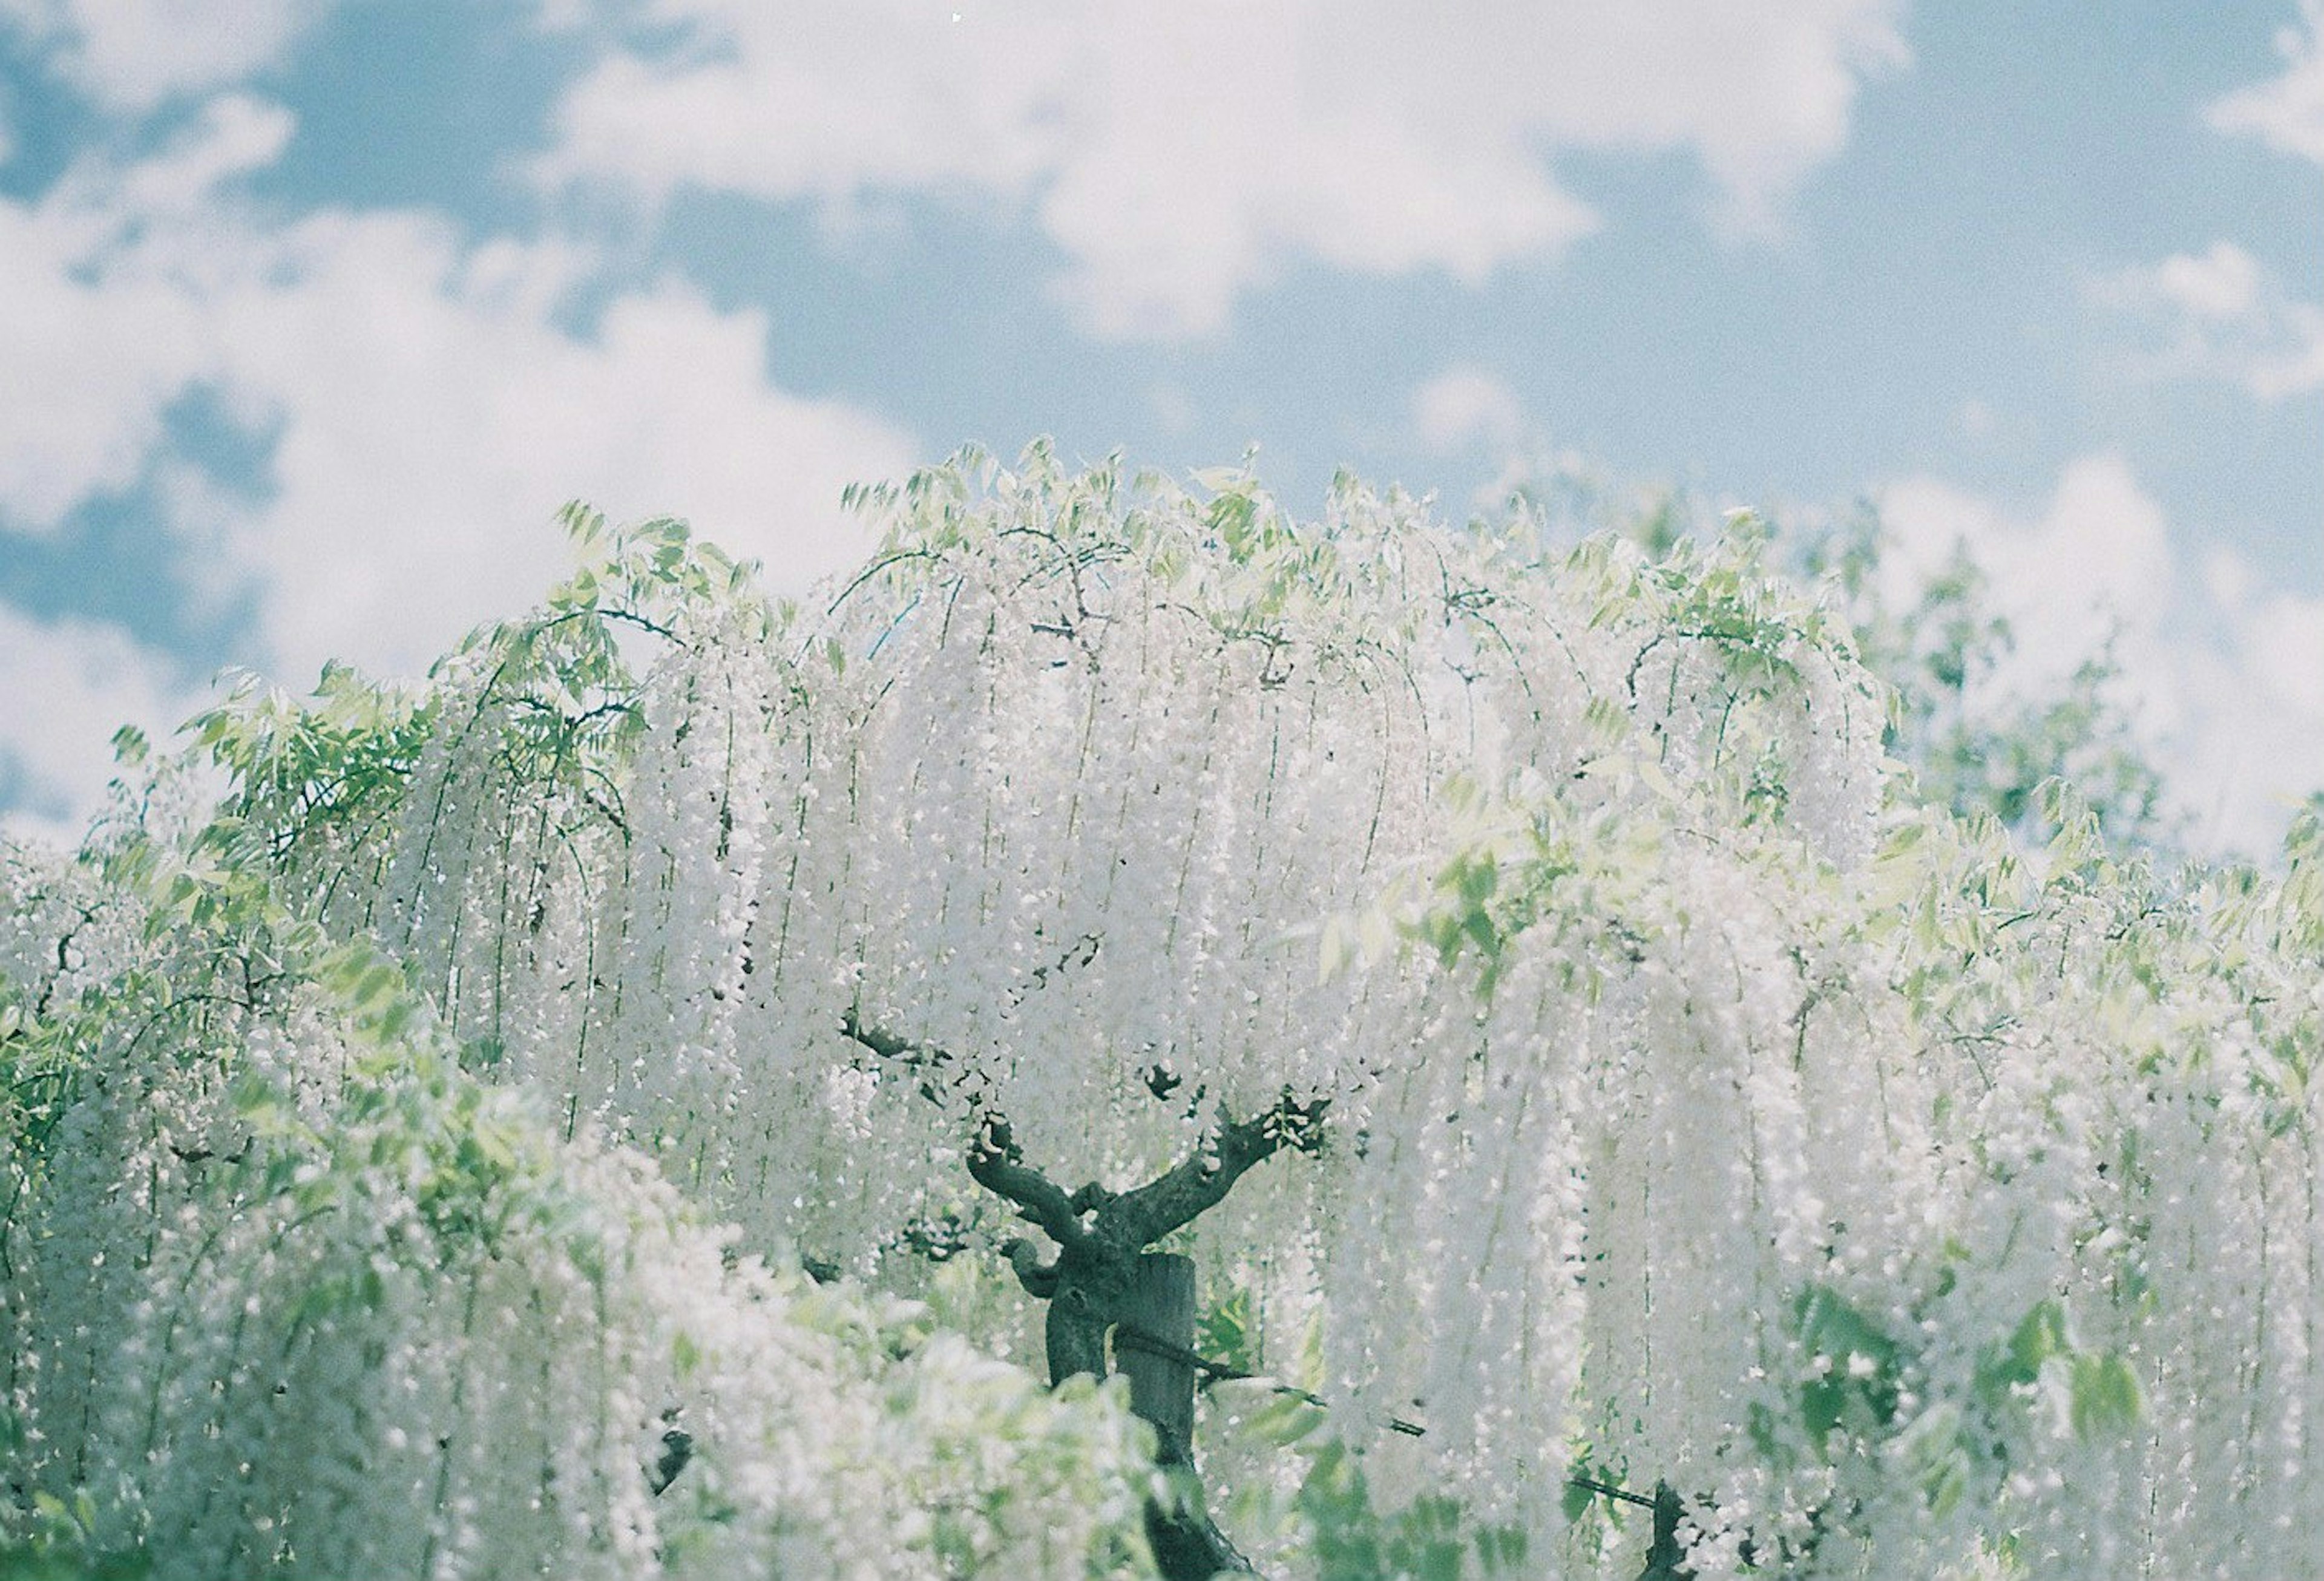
(289, 1291)
(1693, 1108)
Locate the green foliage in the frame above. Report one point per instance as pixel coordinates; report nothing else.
(300, 770)
(1858, 1377)
(1223, 1331)
(1583, 873)
(638, 572)
(1426, 1540)
(55, 1539)
(1344, 1534)
(1939, 643)
(1976, 746)
(1333, 1525)
(1861, 1374)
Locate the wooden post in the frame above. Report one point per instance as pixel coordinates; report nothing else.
(1161, 1305)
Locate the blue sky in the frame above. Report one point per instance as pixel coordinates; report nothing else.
(312, 313)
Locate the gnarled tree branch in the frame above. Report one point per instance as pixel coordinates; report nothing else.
(995, 1164)
(1201, 1180)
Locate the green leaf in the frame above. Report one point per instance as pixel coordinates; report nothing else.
(2104, 1397)
(2043, 1334)
(1335, 951)
(1224, 1332)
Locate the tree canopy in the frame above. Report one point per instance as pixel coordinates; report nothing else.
(1575, 1049)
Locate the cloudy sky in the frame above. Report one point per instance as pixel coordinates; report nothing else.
(312, 312)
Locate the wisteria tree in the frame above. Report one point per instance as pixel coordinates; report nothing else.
(575, 1116)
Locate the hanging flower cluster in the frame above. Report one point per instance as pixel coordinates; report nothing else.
(1683, 1103)
(290, 1292)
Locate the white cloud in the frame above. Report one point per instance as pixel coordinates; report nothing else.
(2098, 557)
(1183, 151)
(1464, 406)
(432, 416)
(69, 685)
(2286, 112)
(2223, 284)
(233, 135)
(135, 54)
(427, 409)
(101, 286)
(2221, 315)
(2225, 675)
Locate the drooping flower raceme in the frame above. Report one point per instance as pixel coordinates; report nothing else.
(1696, 1108)
(353, 1312)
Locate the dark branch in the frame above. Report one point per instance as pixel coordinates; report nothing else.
(1201, 1180)
(1129, 1220)
(1039, 1278)
(1136, 1338)
(1610, 1491)
(995, 1164)
(677, 1454)
(887, 1045)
